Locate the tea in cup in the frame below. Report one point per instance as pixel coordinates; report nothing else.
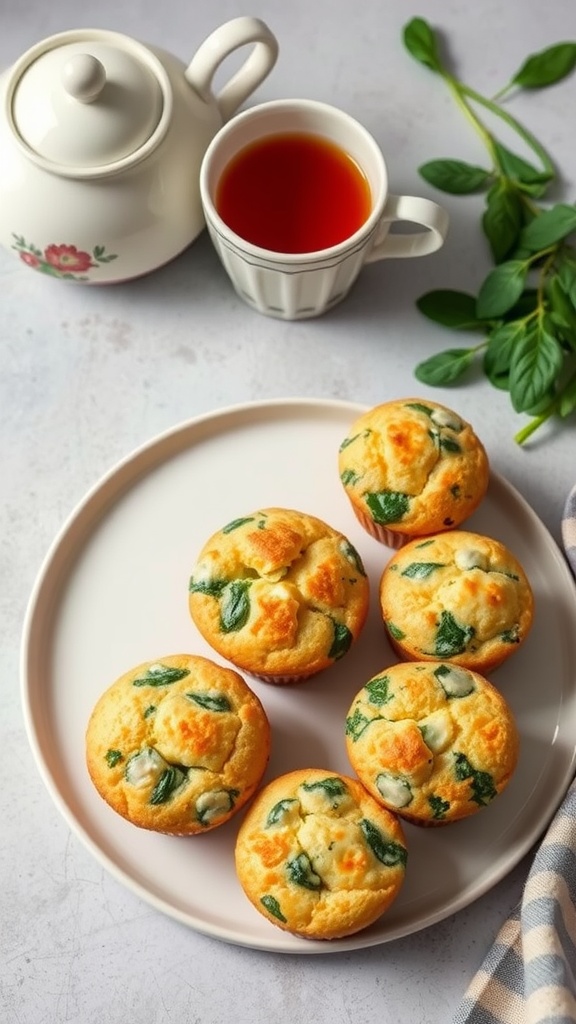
(295, 196)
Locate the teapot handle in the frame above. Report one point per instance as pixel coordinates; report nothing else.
(219, 45)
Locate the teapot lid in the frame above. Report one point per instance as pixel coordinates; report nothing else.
(86, 103)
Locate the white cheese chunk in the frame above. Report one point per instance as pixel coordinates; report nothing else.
(445, 418)
(455, 681)
(145, 768)
(394, 790)
(471, 558)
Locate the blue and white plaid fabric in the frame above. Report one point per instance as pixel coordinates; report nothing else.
(529, 974)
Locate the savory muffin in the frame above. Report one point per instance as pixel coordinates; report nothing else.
(279, 593)
(412, 467)
(318, 856)
(433, 742)
(178, 745)
(459, 596)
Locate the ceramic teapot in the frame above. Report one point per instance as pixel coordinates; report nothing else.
(101, 142)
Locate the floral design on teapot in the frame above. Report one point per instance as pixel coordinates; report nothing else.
(62, 260)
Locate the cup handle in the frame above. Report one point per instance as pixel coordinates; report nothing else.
(415, 210)
(219, 45)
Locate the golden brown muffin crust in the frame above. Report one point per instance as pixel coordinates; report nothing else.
(460, 596)
(433, 742)
(177, 745)
(413, 466)
(318, 856)
(279, 592)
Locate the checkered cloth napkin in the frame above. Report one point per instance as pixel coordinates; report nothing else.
(529, 974)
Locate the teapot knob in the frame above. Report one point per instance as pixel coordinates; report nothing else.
(84, 77)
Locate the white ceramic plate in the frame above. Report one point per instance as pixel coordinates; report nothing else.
(113, 592)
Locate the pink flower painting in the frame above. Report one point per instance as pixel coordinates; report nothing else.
(64, 261)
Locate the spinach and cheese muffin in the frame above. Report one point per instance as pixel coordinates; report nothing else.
(412, 467)
(432, 741)
(459, 596)
(318, 856)
(279, 593)
(178, 745)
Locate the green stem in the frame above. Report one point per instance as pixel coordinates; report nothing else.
(544, 271)
(551, 409)
(512, 123)
(459, 92)
(498, 96)
(531, 427)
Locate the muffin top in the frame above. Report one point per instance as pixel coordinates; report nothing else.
(318, 856)
(414, 466)
(434, 742)
(279, 591)
(459, 596)
(177, 745)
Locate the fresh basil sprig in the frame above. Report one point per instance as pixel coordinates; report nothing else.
(526, 306)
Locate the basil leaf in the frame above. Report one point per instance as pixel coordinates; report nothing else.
(387, 851)
(567, 278)
(454, 176)
(352, 555)
(501, 288)
(567, 400)
(235, 606)
(563, 313)
(387, 506)
(210, 702)
(348, 440)
(273, 907)
(378, 690)
(349, 476)
(510, 636)
(421, 570)
(448, 444)
(500, 351)
(356, 723)
(279, 811)
(420, 407)
(450, 308)
(549, 227)
(420, 41)
(161, 675)
(483, 789)
(451, 638)
(236, 523)
(213, 588)
(395, 631)
(170, 779)
(333, 787)
(536, 362)
(527, 304)
(300, 872)
(547, 67)
(445, 367)
(502, 220)
(341, 642)
(514, 166)
(113, 757)
(438, 806)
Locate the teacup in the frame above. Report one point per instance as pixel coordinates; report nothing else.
(292, 252)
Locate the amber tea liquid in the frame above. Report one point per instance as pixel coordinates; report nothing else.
(293, 193)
